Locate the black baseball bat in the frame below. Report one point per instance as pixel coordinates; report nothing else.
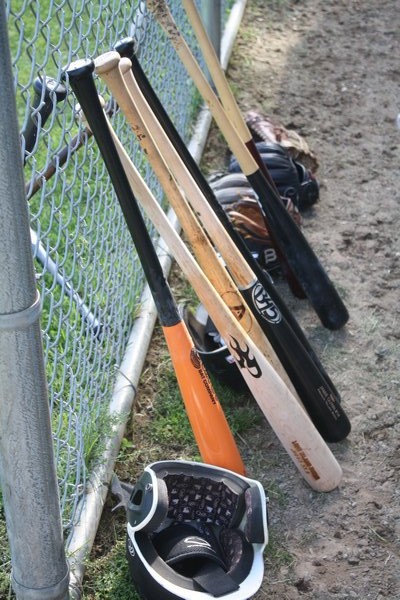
(292, 243)
(47, 93)
(285, 335)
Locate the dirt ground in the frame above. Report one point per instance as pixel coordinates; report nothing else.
(330, 70)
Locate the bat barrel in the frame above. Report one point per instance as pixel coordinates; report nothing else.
(314, 280)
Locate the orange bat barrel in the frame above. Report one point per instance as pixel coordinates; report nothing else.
(210, 427)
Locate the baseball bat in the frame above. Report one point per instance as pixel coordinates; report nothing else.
(218, 78)
(204, 45)
(301, 258)
(287, 417)
(59, 159)
(210, 428)
(125, 48)
(320, 401)
(107, 66)
(47, 93)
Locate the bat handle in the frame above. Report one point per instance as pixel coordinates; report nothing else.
(48, 92)
(126, 47)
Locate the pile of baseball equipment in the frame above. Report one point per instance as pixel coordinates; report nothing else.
(198, 530)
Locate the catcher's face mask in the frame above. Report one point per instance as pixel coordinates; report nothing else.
(196, 531)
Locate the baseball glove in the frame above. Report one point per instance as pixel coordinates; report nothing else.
(239, 201)
(263, 128)
(291, 177)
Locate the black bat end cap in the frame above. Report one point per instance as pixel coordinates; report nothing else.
(126, 47)
(51, 86)
(79, 69)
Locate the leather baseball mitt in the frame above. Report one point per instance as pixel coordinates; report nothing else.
(263, 128)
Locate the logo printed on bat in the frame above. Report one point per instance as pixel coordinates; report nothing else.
(265, 305)
(244, 360)
(198, 365)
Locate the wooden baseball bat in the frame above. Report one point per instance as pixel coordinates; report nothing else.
(292, 243)
(228, 102)
(286, 335)
(210, 428)
(287, 417)
(319, 400)
(142, 123)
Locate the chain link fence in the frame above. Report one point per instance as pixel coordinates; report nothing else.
(87, 271)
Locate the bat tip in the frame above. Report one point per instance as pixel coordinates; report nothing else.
(126, 47)
(79, 69)
(106, 62)
(50, 86)
(125, 65)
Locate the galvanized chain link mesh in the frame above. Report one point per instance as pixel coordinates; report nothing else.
(87, 271)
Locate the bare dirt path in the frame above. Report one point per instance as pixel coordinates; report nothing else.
(330, 70)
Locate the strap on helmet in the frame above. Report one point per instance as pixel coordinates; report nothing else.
(196, 555)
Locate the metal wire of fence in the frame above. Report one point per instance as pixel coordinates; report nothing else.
(87, 272)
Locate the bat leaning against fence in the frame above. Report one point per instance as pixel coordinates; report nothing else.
(292, 243)
(225, 95)
(289, 336)
(210, 428)
(319, 401)
(47, 93)
(287, 417)
(107, 66)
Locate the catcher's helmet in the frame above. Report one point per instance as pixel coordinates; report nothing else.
(196, 532)
(211, 347)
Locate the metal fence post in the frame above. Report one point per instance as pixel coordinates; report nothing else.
(27, 470)
(211, 15)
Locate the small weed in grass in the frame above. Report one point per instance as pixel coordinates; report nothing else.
(240, 408)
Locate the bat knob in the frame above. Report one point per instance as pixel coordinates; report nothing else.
(50, 86)
(125, 65)
(79, 69)
(126, 47)
(107, 62)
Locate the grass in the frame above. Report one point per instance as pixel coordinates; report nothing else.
(109, 576)
(5, 560)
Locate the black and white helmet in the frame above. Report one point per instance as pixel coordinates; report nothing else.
(196, 532)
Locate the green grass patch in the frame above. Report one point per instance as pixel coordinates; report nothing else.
(109, 576)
